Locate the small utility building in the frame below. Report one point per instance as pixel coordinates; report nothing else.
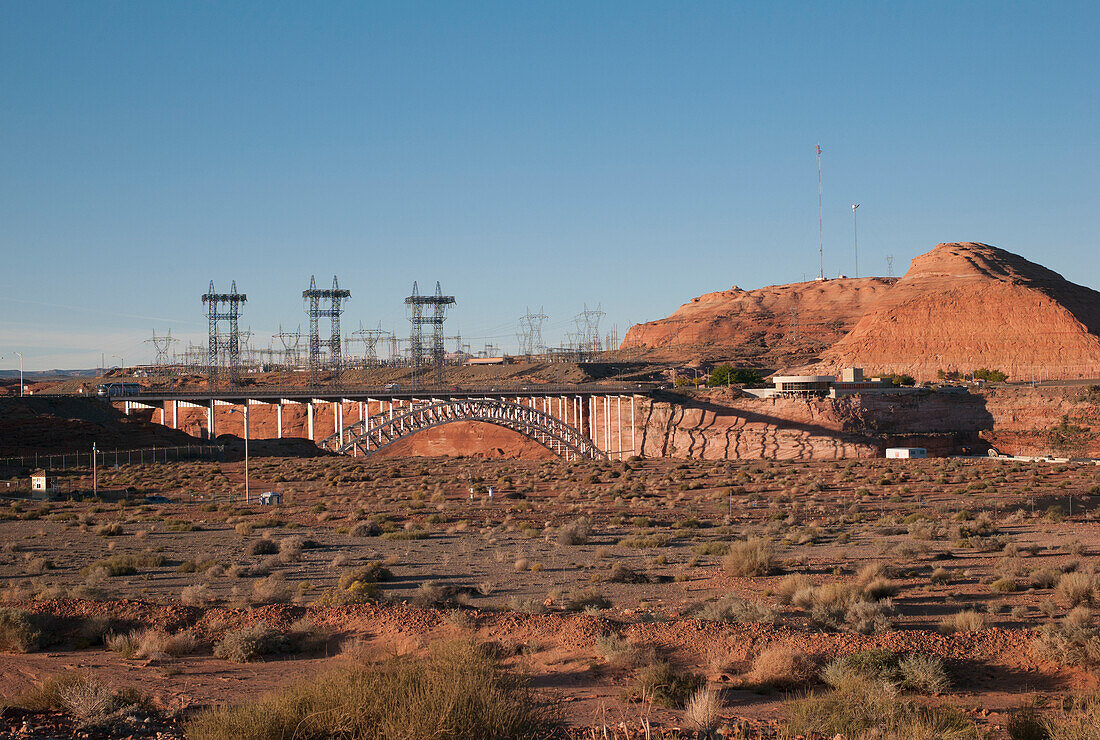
(43, 486)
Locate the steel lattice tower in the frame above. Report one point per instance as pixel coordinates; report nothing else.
(335, 297)
(223, 307)
(530, 332)
(438, 304)
(163, 346)
(290, 341)
(588, 330)
(370, 339)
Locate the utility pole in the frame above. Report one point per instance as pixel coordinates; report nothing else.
(855, 236)
(820, 229)
(95, 480)
(20, 373)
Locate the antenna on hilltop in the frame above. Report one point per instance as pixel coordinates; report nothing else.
(855, 236)
(889, 265)
(820, 230)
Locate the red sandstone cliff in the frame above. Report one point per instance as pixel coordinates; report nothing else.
(966, 306)
(772, 321)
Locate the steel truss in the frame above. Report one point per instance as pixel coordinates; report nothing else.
(381, 430)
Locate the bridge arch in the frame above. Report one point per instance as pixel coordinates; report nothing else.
(380, 431)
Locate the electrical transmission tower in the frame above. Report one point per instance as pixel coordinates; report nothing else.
(530, 332)
(889, 265)
(438, 304)
(335, 297)
(370, 339)
(223, 307)
(588, 331)
(163, 346)
(290, 340)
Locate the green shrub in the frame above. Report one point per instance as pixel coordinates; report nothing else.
(458, 692)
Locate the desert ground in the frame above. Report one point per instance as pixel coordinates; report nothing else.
(669, 597)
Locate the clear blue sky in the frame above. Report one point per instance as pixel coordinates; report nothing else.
(630, 154)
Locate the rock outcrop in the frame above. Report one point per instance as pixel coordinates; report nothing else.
(965, 306)
(769, 322)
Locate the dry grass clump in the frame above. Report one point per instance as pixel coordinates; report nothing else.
(1071, 643)
(123, 565)
(781, 666)
(863, 709)
(916, 672)
(83, 696)
(152, 644)
(111, 529)
(703, 711)
(753, 557)
(968, 620)
(271, 590)
(622, 573)
(249, 643)
(458, 692)
(366, 529)
(263, 546)
(197, 594)
(660, 683)
(19, 632)
(584, 599)
(575, 532)
(1079, 720)
(622, 652)
(734, 609)
(1076, 589)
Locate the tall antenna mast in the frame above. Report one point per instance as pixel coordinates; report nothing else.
(855, 236)
(820, 230)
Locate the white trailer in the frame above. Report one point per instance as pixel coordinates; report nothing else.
(905, 453)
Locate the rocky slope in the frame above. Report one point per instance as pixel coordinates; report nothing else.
(776, 321)
(966, 306)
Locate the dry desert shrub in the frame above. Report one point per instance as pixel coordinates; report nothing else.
(703, 711)
(661, 683)
(271, 590)
(458, 687)
(576, 532)
(198, 594)
(1080, 720)
(152, 644)
(791, 585)
(753, 557)
(81, 695)
(19, 632)
(735, 609)
(782, 666)
(249, 643)
(864, 709)
(967, 620)
(622, 652)
(263, 546)
(1076, 589)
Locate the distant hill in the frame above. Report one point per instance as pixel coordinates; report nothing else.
(960, 307)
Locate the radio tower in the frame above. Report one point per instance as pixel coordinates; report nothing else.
(335, 296)
(438, 304)
(820, 229)
(223, 307)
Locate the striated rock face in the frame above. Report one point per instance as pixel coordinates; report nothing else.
(721, 427)
(965, 306)
(769, 321)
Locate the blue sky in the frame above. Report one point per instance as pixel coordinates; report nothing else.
(631, 155)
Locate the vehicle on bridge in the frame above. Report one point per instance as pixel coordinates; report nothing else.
(108, 390)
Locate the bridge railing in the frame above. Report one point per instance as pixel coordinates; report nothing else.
(404, 391)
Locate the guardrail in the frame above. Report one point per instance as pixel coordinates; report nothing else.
(382, 391)
(62, 460)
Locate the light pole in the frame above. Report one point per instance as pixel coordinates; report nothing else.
(95, 480)
(20, 373)
(855, 236)
(121, 362)
(232, 411)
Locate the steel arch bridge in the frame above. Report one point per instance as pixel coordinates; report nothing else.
(381, 430)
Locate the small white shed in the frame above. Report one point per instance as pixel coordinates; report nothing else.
(905, 453)
(269, 498)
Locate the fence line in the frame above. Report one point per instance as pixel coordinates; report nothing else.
(114, 457)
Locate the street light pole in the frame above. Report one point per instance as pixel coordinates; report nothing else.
(122, 363)
(246, 485)
(855, 236)
(20, 373)
(95, 479)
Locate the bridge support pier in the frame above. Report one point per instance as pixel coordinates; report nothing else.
(211, 431)
(309, 420)
(279, 418)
